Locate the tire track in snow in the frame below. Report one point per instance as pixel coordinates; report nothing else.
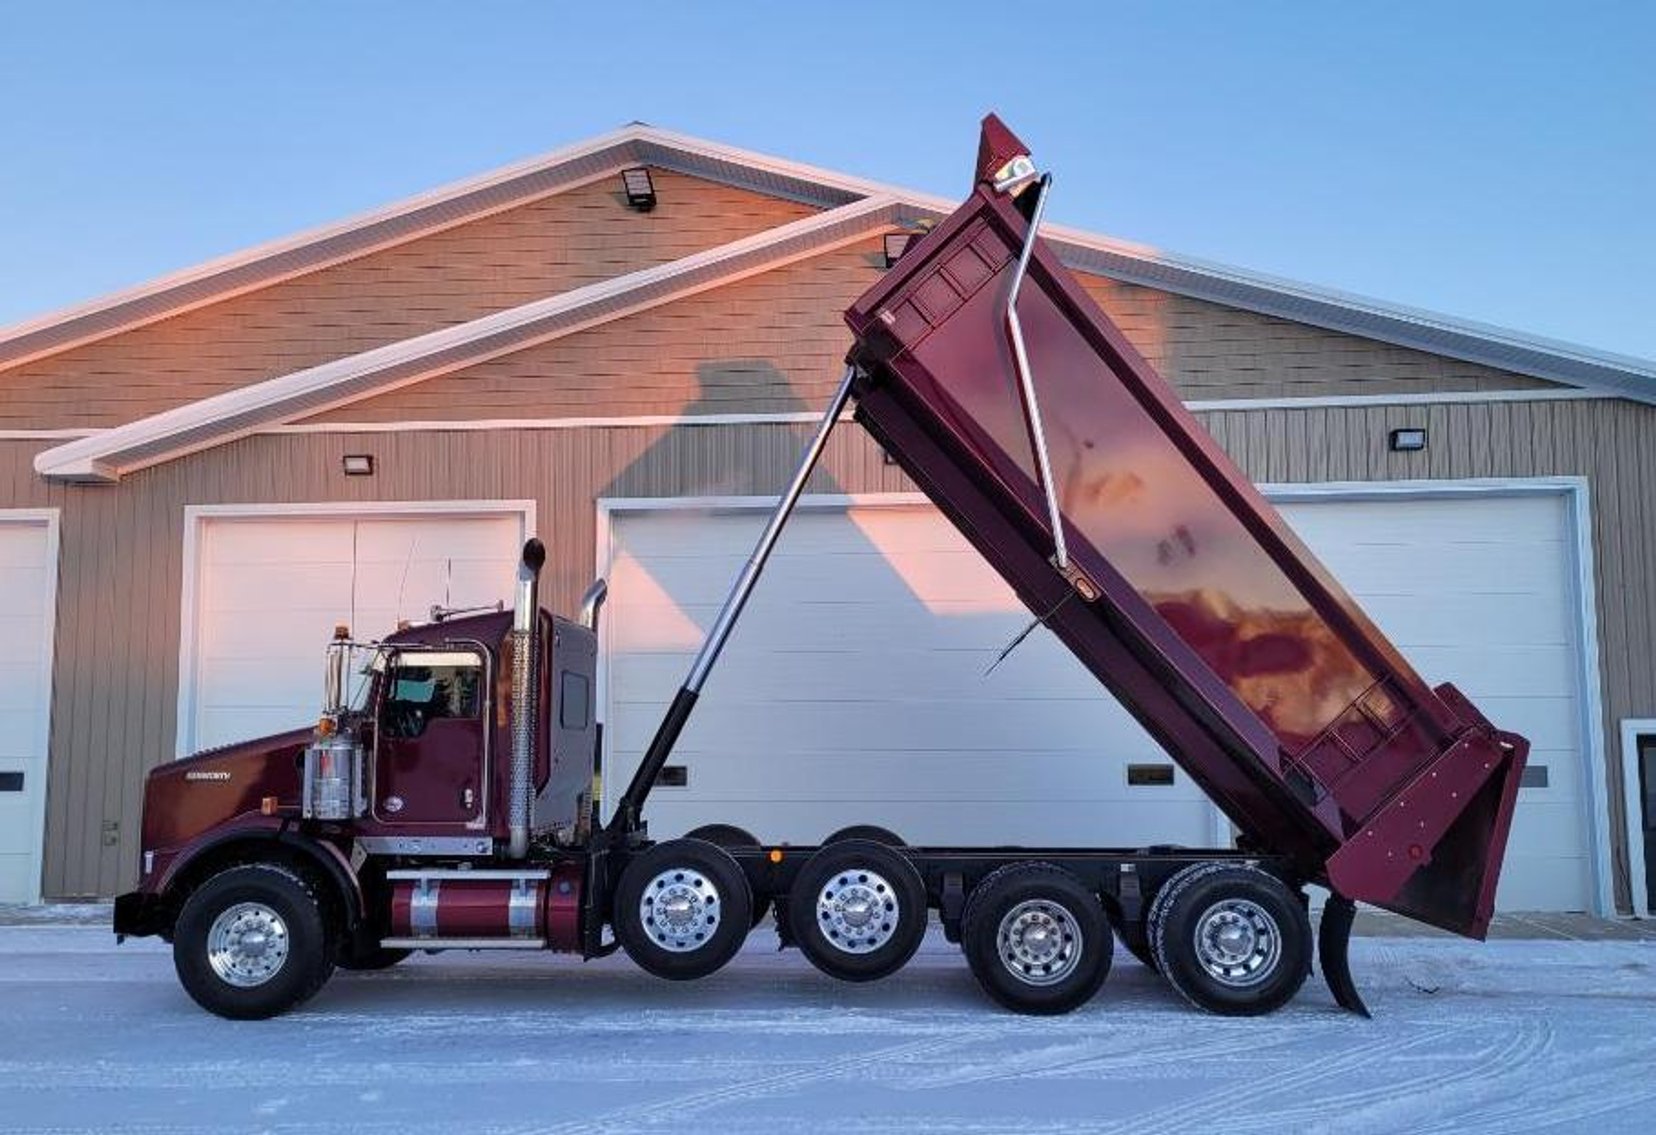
(1220, 1104)
(679, 1106)
(1514, 1054)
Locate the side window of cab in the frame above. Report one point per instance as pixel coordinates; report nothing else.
(422, 689)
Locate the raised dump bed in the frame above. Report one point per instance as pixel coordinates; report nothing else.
(1177, 584)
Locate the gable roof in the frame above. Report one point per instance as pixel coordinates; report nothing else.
(847, 201)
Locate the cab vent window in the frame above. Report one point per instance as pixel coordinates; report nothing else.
(574, 700)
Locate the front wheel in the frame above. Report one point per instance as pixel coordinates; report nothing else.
(253, 942)
(682, 909)
(1232, 939)
(1036, 938)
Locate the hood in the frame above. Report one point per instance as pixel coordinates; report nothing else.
(184, 798)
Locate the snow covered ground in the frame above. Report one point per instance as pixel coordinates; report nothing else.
(1501, 1037)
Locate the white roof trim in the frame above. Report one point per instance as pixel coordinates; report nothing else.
(112, 453)
(551, 173)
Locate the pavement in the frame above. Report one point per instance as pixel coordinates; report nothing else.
(1549, 1033)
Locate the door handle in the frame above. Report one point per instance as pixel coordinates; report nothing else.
(467, 798)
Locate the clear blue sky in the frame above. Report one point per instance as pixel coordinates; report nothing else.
(1490, 160)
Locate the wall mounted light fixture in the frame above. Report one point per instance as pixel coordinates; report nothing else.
(639, 188)
(359, 464)
(1407, 440)
(895, 245)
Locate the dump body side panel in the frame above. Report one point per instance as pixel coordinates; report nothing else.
(1312, 725)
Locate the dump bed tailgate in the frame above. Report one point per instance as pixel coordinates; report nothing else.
(1187, 595)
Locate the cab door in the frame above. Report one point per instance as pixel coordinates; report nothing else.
(430, 748)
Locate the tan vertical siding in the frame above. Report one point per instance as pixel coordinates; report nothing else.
(116, 686)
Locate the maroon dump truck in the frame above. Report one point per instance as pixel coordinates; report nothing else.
(455, 804)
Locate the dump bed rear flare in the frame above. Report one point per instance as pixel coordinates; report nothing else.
(1185, 593)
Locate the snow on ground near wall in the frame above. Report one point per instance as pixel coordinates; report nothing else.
(1499, 1037)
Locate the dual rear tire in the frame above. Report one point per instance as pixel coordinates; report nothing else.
(1036, 939)
(1230, 938)
(857, 910)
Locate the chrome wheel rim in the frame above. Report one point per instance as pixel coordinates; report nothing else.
(1238, 943)
(247, 945)
(680, 909)
(1040, 942)
(858, 911)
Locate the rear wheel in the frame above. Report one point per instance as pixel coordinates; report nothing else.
(1232, 939)
(1037, 940)
(857, 910)
(253, 941)
(682, 909)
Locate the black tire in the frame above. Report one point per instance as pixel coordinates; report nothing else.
(709, 890)
(373, 960)
(857, 910)
(270, 903)
(867, 831)
(728, 836)
(1231, 939)
(1049, 899)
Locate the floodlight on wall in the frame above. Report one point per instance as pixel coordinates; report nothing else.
(359, 464)
(896, 244)
(639, 188)
(1407, 440)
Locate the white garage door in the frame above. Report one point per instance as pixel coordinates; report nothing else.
(270, 590)
(855, 690)
(28, 575)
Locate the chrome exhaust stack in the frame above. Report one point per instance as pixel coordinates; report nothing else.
(525, 688)
(592, 602)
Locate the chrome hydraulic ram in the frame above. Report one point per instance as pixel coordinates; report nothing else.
(631, 805)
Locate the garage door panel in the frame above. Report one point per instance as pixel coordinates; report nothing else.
(1369, 569)
(735, 725)
(1546, 827)
(1029, 672)
(20, 733)
(683, 533)
(1518, 671)
(1488, 620)
(22, 682)
(960, 576)
(1446, 523)
(1542, 882)
(256, 588)
(225, 725)
(301, 540)
(822, 623)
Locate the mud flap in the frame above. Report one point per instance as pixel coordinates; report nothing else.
(1333, 940)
